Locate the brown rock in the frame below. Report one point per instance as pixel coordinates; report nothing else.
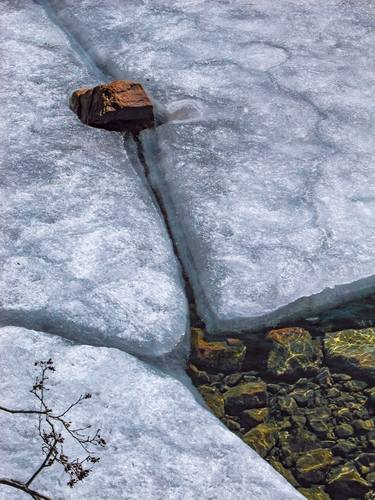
(121, 105)
(216, 355)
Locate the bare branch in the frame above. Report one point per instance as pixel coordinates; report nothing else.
(53, 439)
(23, 487)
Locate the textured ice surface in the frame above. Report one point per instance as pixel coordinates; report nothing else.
(162, 444)
(83, 252)
(267, 164)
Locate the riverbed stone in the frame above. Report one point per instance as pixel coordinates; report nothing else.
(287, 473)
(314, 493)
(287, 405)
(345, 481)
(245, 396)
(311, 466)
(255, 416)
(344, 430)
(262, 438)
(364, 425)
(344, 447)
(303, 397)
(352, 351)
(216, 355)
(292, 354)
(198, 376)
(214, 399)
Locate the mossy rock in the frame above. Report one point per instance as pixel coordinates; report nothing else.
(352, 351)
(262, 438)
(245, 396)
(311, 466)
(314, 493)
(345, 482)
(213, 399)
(220, 356)
(293, 353)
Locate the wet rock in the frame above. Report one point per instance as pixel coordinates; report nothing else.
(344, 447)
(273, 388)
(214, 399)
(287, 405)
(292, 354)
(298, 420)
(333, 393)
(344, 430)
(320, 427)
(345, 481)
(251, 418)
(262, 438)
(245, 396)
(198, 376)
(312, 465)
(314, 493)
(216, 355)
(341, 377)
(354, 385)
(292, 443)
(303, 397)
(324, 377)
(232, 424)
(284, 472)
(365, 463)
(352, 351)
(121, 105)
(364, 425)
(371, 397)
(233, 379)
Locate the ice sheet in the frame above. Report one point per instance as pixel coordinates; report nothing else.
(84, 251)
(267, 163)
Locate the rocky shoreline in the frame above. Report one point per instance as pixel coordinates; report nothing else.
(304, 400)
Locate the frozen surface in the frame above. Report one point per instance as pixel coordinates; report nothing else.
(162, 444)
(267, 162)
(83, 252)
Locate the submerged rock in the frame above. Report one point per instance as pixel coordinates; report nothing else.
(214, 400)
(352, 351)
(345, 481)
(223, 356)
(315, 493)
(292, 354)
(121, 105)
(311, 466)
(262, 438)
(245, 396)
(255, 416)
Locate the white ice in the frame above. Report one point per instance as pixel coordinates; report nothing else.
(267, 163)
(162, 444)
(83, 249)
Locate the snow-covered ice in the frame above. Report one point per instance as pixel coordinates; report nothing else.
(83, 248)
(267, 166)
(162, 443)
